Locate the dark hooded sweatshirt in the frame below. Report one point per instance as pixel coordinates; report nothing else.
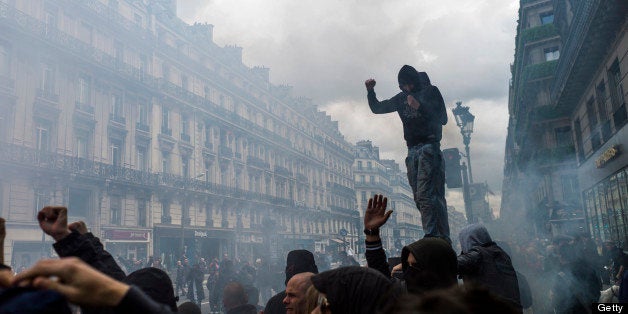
(484, 263)
(422, 125)
(297, 261)
(354, 289)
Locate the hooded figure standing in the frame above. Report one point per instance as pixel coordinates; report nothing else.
(484, 263)
(422, 111)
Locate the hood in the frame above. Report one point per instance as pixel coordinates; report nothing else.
(353, 289)
(436, 261)
(155, 283)
(409, 75)
(473, 235)
(300, 261)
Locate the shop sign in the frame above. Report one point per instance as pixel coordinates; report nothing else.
(607, 156)
(200, 234)
(126, 235)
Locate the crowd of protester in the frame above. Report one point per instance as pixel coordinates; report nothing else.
(564, 275)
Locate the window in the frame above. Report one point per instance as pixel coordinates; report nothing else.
(51, 21)
(615, 84)
(83, 90)
(165, 118)
(563, 136)
(5, 62)
(142, 114)
(165, 211)
(41, 199)
(578, 134)
(86, 32)
(81, 146)
(185, 125)
(115, 151)
(592, 117)
(165, 162)
(372, 179)
(185, 167)
(116, 107)
(359, 165)
(600, 93)
(363, 196)
(141, 213)
(137, 19)
(42, 136)
(551, 53)
(369, 165)
(48, 79)
(118, 51)
(184, 82)
(115, 213)
(362, 178)
(570, 188)
(547, 18)
(142, 158)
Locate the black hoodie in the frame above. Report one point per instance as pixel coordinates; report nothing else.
(422, 125)
(354, 289)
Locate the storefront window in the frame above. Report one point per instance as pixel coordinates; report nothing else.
(606, 204)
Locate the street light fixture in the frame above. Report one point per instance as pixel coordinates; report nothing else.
(464, 120)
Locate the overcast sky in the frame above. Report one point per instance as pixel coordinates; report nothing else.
(326, 49)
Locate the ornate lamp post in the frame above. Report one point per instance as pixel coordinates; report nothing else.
(464, 120)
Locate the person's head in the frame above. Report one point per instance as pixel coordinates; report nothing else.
(466, 299)
(189, 308)
(155, 283)
(411, 80)
(300, 261)
(179, 263)
(233, 295)
(473, 235)
(352, 289)
(296, 288)
(429, 264)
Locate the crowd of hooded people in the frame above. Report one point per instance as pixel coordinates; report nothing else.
(430, 278)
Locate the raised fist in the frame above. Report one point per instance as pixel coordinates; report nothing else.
(53, 220)
(370, 83)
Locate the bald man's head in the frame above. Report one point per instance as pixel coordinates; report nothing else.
(234, 295)
(295, 293)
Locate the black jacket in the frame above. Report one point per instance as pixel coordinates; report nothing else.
(484, 263)
(422, 125)
(90, 250)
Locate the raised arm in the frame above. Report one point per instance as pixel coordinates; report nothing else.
(375, 217)
(385, 106)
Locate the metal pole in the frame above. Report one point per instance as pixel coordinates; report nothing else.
(468, 208)
(467, 140)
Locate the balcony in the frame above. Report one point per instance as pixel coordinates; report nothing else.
(142, 127)
(84, 113)
(166, 219)
(257, 162)
(539, 33)
(283, 171)
(46, 104)
(85, 108)
(117, 119)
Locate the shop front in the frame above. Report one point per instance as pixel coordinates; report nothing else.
(173, 243)
(128, 244)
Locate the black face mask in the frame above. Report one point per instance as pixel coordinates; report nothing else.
(412, 276)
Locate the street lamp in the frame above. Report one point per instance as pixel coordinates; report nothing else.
(464, 120)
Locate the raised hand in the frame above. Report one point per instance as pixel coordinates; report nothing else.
(376, 214)
(53, 220)
(370, 83)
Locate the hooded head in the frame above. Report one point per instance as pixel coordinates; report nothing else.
(473, 235)
(435, 267)
(300, 261)
(155, 283)
(353, 289)
(409, 75)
